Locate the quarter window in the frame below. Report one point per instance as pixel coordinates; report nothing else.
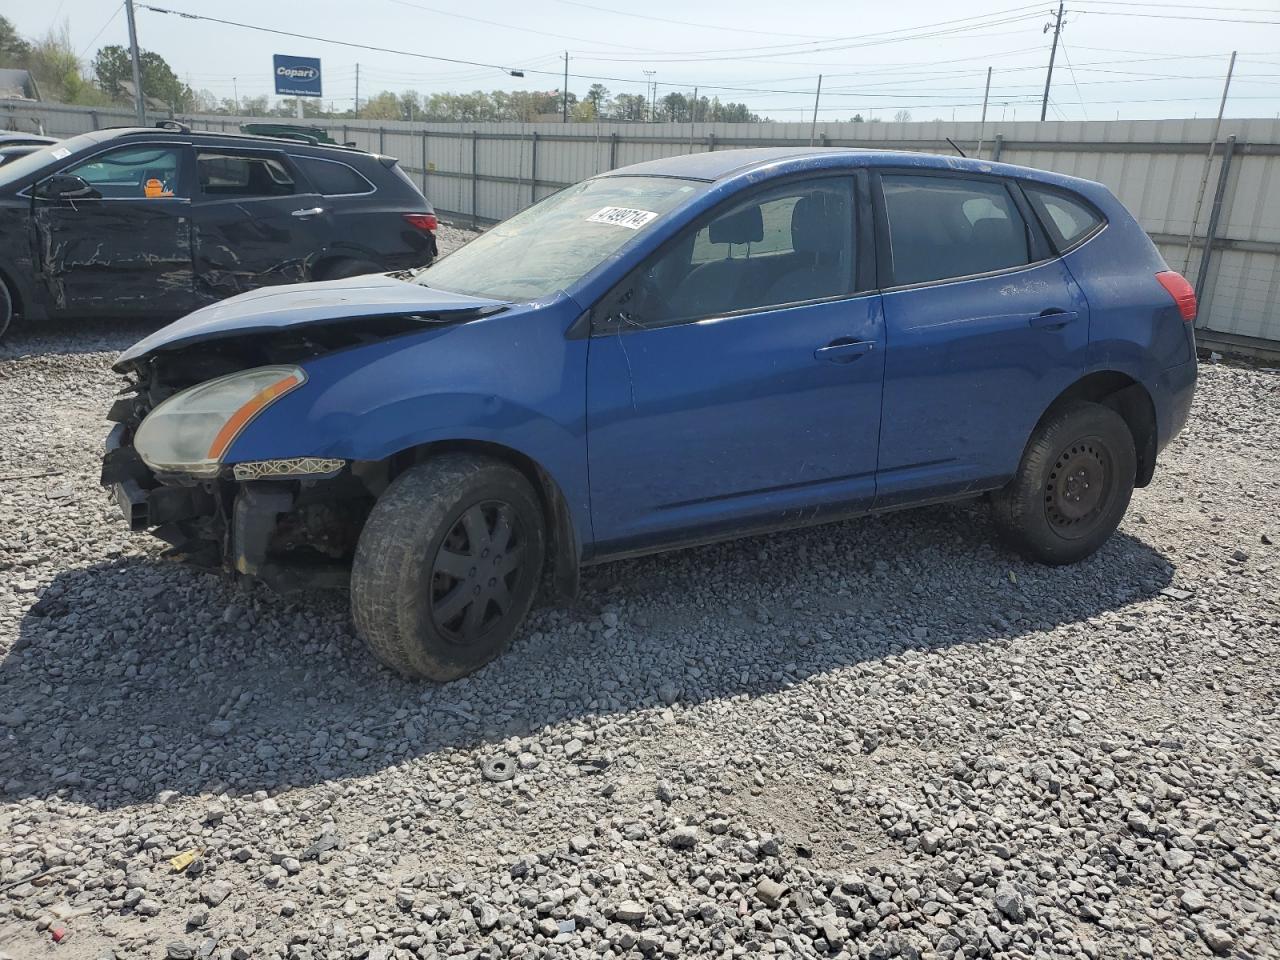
(1066, 220)
(332, 178)
(787, 245)
(945, 227)
(243, 175)
(141, 172)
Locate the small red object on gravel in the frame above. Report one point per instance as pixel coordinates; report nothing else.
(58, 934)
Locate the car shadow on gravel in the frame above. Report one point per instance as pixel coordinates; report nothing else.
(135, 677)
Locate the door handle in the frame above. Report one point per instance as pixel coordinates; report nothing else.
(1053, 319)
(844, 351)
(309, 212)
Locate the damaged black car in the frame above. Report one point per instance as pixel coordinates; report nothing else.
(156, 222)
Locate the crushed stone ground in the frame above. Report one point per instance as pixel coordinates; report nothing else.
(882, 738)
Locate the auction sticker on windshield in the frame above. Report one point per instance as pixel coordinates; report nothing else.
(622, 217)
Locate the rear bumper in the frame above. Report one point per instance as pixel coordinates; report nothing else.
(1175, 388)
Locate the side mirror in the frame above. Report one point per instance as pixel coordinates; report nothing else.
(66, 186)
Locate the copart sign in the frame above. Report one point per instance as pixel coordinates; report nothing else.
(297, 76)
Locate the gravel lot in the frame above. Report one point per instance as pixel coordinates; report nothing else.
(876, 739)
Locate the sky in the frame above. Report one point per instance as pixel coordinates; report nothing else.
(1136, 60)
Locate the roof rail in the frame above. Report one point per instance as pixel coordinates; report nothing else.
(300, 137)
(177, 125)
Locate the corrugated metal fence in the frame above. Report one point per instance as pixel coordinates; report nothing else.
(487, 172)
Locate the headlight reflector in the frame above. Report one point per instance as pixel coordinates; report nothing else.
(191, 431)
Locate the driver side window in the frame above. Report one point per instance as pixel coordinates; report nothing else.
(789, 244)
(134, 173)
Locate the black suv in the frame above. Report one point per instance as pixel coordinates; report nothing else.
(159, 221)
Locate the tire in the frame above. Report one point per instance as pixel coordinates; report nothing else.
(431, 533)
(1072, 486)
(6, 308)
(341, 269)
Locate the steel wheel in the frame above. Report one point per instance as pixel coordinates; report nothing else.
(475, 571)
(1072, 486)
(1075, 492)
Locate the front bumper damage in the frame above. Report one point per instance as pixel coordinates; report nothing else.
(291, 523)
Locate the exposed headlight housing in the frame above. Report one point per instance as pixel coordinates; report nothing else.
(191, 431)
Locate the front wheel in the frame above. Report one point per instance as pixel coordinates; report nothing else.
(1072, 486)
(447, 566)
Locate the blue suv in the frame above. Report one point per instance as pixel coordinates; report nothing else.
(686, 350)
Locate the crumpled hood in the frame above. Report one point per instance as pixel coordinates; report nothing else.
(273, 309)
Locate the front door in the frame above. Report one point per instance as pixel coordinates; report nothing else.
(125, 246)
(985, 328)
(257, 222)
(733, 379)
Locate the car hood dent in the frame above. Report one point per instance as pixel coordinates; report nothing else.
(276, 309)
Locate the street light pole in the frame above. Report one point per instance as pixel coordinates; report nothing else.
(139, 103)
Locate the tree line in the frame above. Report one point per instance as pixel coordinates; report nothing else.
(106, 80)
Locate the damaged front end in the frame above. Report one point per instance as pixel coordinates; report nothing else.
(292, 522)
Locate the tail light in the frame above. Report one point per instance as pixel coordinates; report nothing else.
(1184, 295)
(423, 221)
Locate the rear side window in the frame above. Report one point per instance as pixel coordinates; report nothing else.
(1066, 219)
(333, 178)
(946, 227)
(243, 175)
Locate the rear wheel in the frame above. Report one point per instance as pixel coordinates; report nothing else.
(1072, 486)
(447, 566)
(6, 308)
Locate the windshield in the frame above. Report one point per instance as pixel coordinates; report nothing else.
(22, 167)
(558, 241)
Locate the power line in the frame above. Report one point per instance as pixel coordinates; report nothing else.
(1071, 71)
(1177, 16)
(718, 27)
(110, 20)
(510, 26)
(866, 40)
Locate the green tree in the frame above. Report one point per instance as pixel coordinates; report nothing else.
(630, 106)
(112, 69)
(598, 97)
(673, 107)
(14, 50)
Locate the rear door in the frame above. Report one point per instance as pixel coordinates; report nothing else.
(126, 246)
(985, 327)
(733, 379)
(257, 221)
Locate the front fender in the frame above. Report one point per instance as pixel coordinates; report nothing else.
(511, 379)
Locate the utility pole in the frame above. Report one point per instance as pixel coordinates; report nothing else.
(693, 106)
(139, 103)
(813, 127)
(564, 97)
(1053, 52)
(1208, 161)
(648, 82)
(982, 126)
(357, 109)
(235, 95)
